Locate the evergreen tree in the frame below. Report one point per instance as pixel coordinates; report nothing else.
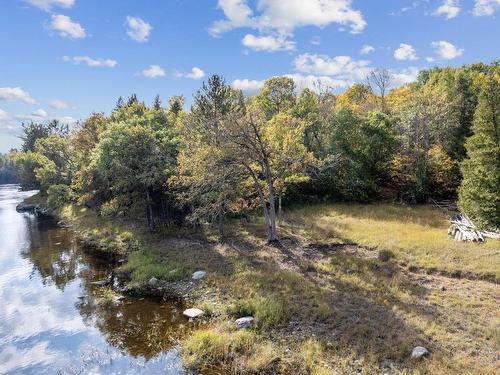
(480, 190)
(132, 100)
(119, 103)
(157, 102)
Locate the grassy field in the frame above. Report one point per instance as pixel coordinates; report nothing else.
(416, 235)
(331, 298)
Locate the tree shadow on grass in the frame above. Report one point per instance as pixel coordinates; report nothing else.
(356, 313)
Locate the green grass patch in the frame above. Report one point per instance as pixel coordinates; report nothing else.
(143, 266)
(268, 312)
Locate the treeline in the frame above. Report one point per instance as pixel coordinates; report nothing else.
(8, 169)
(231, 154)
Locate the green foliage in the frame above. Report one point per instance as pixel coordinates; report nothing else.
(135, 155)
(34, 131)
(480, 189)
(8, 171)
(277, 95)
(229, 154)
(268, 312)
(28, 163)
(58, 196)
(362, 149)
(144, 266)
(207, 178)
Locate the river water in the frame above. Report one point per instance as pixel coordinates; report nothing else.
(54, 320)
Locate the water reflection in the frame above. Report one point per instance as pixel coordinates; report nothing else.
(53, 319)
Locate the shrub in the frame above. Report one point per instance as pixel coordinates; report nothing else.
(58, 196)
(385, 255)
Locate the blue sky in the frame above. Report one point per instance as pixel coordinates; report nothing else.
(66, 58)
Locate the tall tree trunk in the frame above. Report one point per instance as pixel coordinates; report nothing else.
(271, 234)
(265, 207)
(149, 211)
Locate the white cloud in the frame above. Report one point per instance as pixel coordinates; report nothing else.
(67, 120)
(98, 62)
(48, 4)
(195, 73)
(366, 49)
(59, 104)
(66, 27)
(449, 8)
(16, 94)
(154, 71)
(3, 114)
(405, 52)
(248, 86)
(341, 67)
(312, 82)
(485, 7)
(429, 59)
(285, 16)
(40, 112)
(268, 43)
(138, 29)
(446, 50)
(400, 78)
(316, 83)
(14, 359)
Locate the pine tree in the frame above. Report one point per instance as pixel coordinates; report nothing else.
(119, 103)
(157, 102)
(480, 190)
(132, 99)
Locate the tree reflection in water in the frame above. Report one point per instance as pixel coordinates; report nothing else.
(140, 327)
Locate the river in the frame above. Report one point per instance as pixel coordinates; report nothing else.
(54, 319)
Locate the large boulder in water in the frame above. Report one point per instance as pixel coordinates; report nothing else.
(26, 207)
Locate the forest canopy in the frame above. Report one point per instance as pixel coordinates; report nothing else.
(231, 154)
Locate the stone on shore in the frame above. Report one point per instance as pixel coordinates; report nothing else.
(153, 282)
(419, 352)
(245, 322)
(198, 275)
(193, 313)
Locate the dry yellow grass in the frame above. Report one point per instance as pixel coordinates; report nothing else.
(417, 235)
(331, 310)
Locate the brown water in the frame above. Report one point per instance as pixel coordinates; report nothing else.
(53, 320)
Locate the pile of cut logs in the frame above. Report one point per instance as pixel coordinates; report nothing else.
(463, 229)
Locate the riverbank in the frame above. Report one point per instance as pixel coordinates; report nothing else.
(321, 302)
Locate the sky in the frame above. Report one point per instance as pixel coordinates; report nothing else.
(64, 59)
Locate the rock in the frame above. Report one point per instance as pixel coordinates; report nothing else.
(198, 275)
(26, 207)
(153, 282)
(100, 282)
(63, 224)
(118, 299)
(419, 352)
(245, 322)
(193, 313)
